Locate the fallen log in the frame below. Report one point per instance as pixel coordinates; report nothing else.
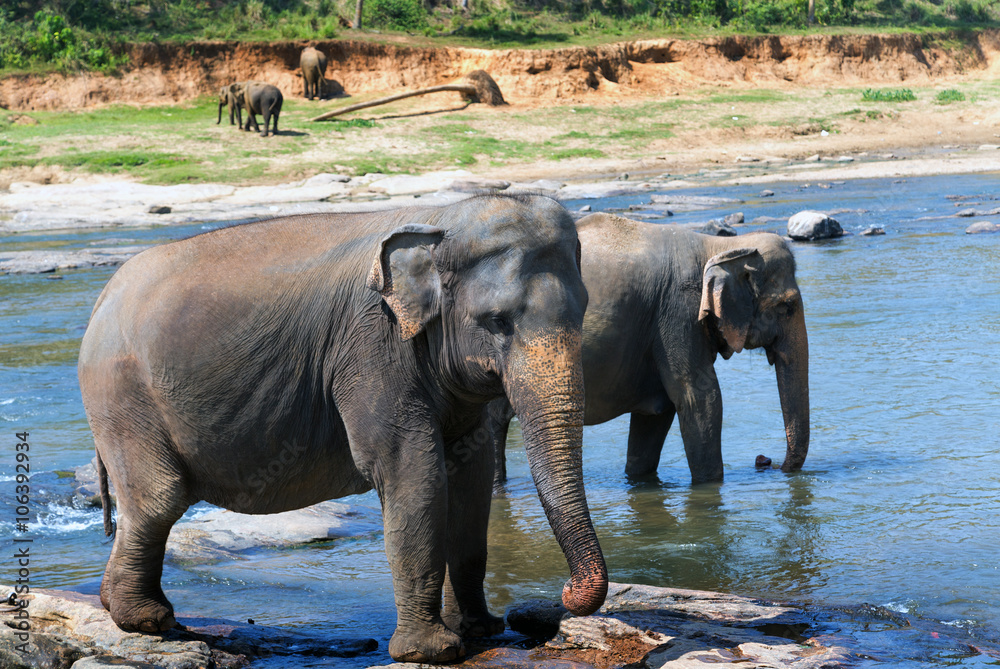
(476, 86)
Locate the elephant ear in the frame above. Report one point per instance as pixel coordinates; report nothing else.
(404, 274)
(727, 292)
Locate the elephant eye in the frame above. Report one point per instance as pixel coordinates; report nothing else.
(499, 325)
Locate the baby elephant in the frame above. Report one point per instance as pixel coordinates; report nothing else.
(227, 98)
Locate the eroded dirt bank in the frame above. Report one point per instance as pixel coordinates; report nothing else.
(170, 73)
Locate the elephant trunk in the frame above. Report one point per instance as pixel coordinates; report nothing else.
(545, 387)
(790, 356)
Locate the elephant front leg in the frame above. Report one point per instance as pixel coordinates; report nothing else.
(414, 508)
(699, 409)
(645, 442)
(470, 467)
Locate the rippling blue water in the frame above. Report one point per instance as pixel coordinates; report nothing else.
(898, 504)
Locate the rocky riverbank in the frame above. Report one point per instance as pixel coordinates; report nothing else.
(31, 207)
(638, 626)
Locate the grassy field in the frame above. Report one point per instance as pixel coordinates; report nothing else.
(182, 143)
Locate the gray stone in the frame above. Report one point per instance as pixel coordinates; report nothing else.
(717, 227)
(966, 213)
(697, 200)
(110, 662)
(478, 185)
(734, 219)
(767, 193)
(45, 650)
(872, 230)
(159, 209)
(50, 260)
(221, 534)
(68, 627)
(982, 227)
(812, 225)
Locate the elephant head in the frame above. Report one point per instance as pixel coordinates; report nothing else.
(501, 301)
(750, 299)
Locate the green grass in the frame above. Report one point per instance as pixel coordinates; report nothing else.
(887, 95)
(948, 96)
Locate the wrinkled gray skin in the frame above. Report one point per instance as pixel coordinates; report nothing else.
(313, 65)
(664, 302)
(270, 366)
(228, 98)
(257, 97)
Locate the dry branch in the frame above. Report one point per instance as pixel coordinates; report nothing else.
(477, 86)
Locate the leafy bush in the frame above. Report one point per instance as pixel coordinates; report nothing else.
(887, 95)
(949, 95)
(395, 14)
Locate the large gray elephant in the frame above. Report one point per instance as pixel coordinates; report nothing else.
(312, 62)
(258, 97)
(228, 97)
(342, 353)
(664, 302)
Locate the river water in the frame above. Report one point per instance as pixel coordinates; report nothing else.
(898, 504)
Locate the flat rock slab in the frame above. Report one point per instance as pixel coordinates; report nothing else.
(74, 630)
(223, 534)
(41, 262)
(670, 628)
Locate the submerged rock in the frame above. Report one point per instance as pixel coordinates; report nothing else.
(872, 231)
(811, 225)
(982, 227)
(221, 534)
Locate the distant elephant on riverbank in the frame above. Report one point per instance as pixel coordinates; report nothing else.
(257, 97)
(273, 365)
(228, 98)
(664, 302)
(312, 62)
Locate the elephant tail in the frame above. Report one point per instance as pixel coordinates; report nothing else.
(102, 477)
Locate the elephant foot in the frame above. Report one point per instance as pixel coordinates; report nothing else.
(435, 644)
(469, 626)
(149, 617)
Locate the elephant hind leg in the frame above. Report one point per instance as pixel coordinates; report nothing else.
(645, 442)
(151, 496)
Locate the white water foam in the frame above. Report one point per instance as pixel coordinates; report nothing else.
(59, 518)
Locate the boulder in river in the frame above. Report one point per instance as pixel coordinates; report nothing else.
(810, 225)
(717, 227)
(982, 227)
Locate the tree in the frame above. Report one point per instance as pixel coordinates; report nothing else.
(357, 15)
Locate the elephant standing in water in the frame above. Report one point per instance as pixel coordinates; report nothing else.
(358, 351)
(664, 302)
(312, 62)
